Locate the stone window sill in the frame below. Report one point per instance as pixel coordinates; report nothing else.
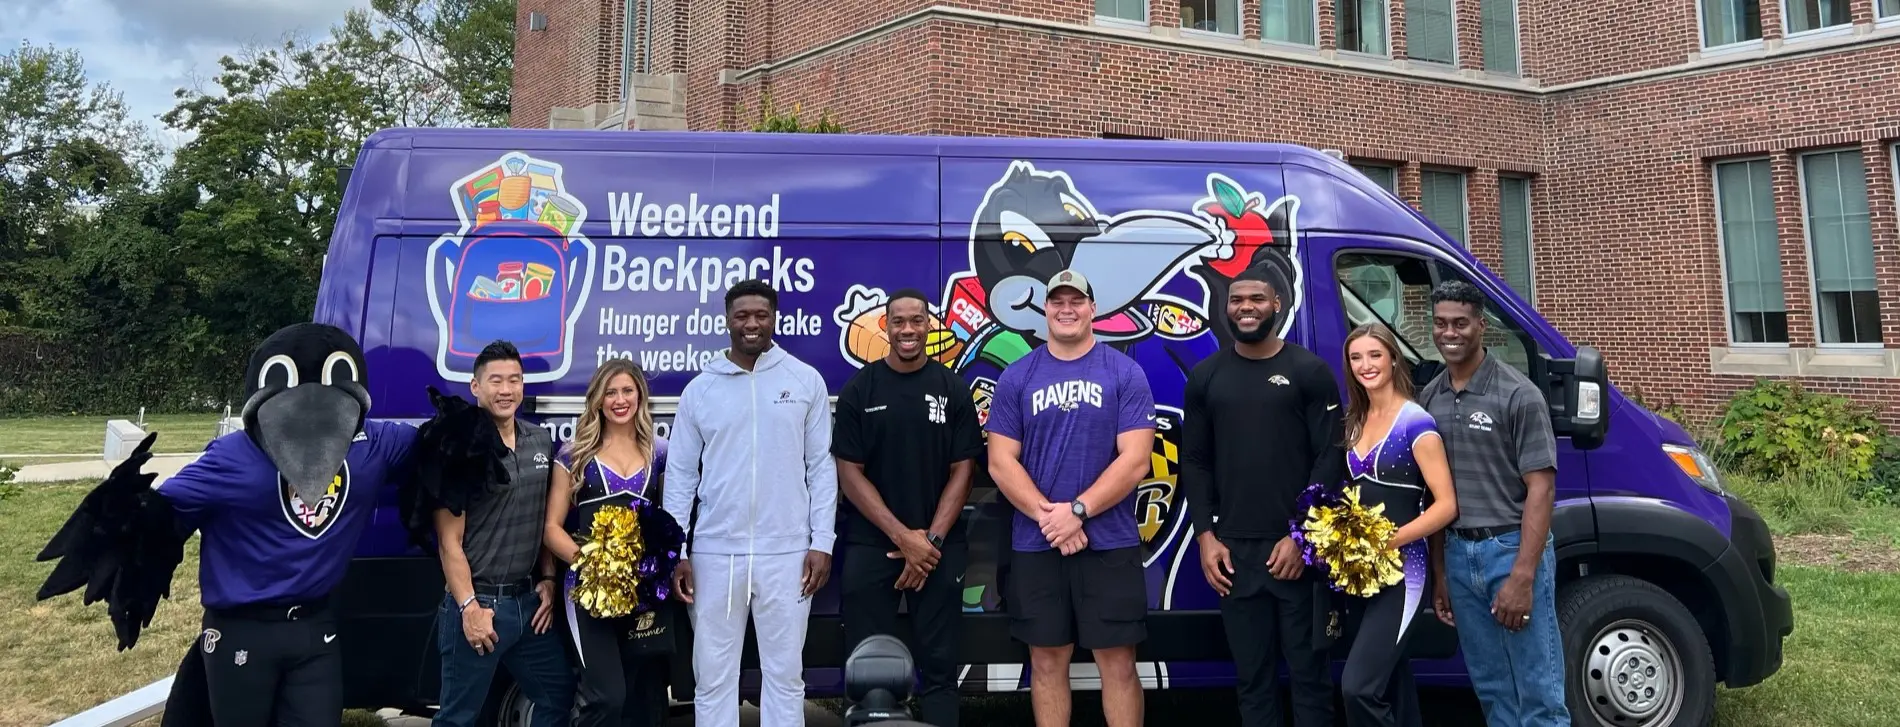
(1811, 362)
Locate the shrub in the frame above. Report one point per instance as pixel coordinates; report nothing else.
(1883, 487)
(8, 489)
(773, 120)
(1776, 429)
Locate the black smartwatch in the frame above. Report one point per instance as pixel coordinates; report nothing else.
(936, 541)
(1081, 511)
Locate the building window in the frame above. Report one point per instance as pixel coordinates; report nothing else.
(1134, 11)
(1362, 26)
(1889, 9)
(1430, 33)
(1727, 22)
(1751, 252)
(1213, 16)
(1840, 241)
(1514, 215)
(1387, 177)
(1500, 35)
(1800, 16)
(1442, 199)
(1290, 21)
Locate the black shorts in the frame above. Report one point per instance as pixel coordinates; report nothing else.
(1095, 599)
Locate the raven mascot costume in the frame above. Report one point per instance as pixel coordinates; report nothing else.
(280, 506)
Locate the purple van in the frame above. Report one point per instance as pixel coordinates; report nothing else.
(580, 246)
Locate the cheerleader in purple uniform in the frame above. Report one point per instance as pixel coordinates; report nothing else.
(614, 459)
(1397, 459)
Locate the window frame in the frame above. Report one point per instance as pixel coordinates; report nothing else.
(1240, 24)
(1846, 28)
(1530, 237)
(1125, 23)
(1721, 250)
(1360, 167)
(1313, 5)
(1807, 243)
(1456, 51)
(1437, 264)
(1517, 40)
(1702, 34)
(1385, 41)
(1890, 19)
(1464, 200)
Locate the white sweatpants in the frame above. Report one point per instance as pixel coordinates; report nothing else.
(726, 588)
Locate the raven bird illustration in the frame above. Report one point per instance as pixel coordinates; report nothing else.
(1033, 224)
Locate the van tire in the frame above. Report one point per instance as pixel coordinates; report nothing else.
(1654, 642)
(506, 705)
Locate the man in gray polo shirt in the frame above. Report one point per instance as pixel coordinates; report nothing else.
(501, 594)
(1492, 577)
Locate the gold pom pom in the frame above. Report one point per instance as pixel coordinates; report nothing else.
(1354, 543)
(608, 564)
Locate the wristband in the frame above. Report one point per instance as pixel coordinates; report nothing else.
(469, 600)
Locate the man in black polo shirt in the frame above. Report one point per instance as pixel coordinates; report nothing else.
(905, 435)
(501, 594)
(1262, 422)
(1492, 577)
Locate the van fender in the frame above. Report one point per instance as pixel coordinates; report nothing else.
(1701, 567)
(1654, 528)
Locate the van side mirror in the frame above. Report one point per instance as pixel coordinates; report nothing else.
(1575, 389)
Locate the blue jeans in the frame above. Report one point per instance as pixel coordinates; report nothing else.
(538, 663)
(1519, 677)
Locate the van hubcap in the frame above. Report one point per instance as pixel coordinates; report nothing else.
(1633, 676)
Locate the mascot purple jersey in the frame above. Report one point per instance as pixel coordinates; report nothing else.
(280, 507)
(263, 543)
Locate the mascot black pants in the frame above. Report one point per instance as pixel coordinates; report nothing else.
(262, 666)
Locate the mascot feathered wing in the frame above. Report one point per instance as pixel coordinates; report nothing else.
(306, 401)
(122, 544)
(459, 456)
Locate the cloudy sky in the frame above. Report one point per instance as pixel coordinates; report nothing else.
(147, 48)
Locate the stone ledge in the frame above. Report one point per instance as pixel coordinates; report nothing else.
(1805, 362)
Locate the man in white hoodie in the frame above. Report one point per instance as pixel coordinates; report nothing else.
(752, 443)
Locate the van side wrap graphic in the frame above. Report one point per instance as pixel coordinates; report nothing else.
(1033, 223)
(518, 269)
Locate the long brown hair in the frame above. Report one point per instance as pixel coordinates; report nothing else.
(588, 434)
(1358, 402)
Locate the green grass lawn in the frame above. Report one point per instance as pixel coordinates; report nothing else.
(180, 433)
(57, 658)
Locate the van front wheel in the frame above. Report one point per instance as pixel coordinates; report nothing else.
(1635, 656)
(507, 706)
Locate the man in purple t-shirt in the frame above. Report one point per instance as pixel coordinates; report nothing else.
(1071, 431)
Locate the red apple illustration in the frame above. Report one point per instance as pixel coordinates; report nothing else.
(1242, 214)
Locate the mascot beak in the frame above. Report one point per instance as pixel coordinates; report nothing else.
(308, 405)
(306, 431)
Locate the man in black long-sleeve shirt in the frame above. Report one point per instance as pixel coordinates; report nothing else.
(1262, 422)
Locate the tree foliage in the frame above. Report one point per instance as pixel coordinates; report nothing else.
(132, 282)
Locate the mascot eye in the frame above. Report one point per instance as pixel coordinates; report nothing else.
(1073, 211)
(338, 368)
(1020, 240)
(279, 371)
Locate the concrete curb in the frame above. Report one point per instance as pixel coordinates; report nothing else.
(163, 465)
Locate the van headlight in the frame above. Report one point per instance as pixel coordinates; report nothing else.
(1697, 466)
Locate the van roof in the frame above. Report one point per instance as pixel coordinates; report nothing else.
(1373, 210)
(854, 144)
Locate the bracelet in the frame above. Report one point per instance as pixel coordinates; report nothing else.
(470, 599)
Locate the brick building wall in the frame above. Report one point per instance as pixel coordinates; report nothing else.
(1617, 118)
